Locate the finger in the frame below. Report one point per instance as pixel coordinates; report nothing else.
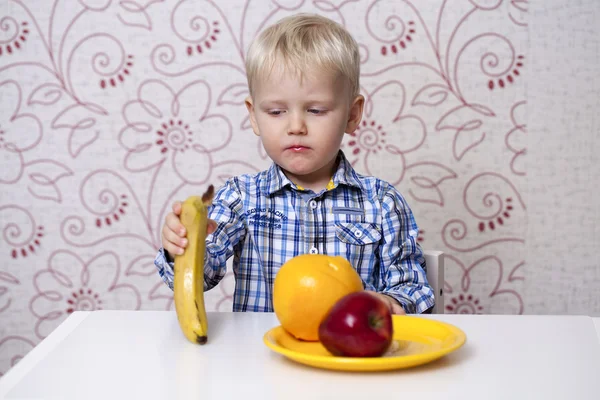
(176, 208)
(172, 249)
(211, 227)
(174, 224)
(397, 308)
(392, 303)
(171, 242)
(170, 238)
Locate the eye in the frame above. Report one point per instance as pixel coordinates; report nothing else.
(274, 112)
(316, 111)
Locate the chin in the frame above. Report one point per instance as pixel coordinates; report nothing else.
(298, 166)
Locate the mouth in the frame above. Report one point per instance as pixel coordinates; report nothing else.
(297, 148)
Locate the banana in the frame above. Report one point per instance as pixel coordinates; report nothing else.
(188, 282)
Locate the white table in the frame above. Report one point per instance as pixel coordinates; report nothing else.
(143, 355)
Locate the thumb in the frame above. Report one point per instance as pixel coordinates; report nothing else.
(211, 227)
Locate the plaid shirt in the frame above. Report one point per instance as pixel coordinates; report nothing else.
(264, 219)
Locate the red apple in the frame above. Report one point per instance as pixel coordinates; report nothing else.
(358, 325)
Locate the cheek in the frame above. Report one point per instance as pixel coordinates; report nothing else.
(266, 123)
(335, 128)
(268, 131)
(259, 120)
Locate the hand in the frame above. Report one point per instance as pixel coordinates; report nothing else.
(173, 232)
(394, 306)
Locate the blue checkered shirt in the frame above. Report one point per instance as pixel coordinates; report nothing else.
(264, 220)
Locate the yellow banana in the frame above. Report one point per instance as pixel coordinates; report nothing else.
(188, 282)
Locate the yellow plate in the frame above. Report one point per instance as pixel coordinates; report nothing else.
(416, 341)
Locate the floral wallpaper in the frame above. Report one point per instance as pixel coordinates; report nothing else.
(111, 110)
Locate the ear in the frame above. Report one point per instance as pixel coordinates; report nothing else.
(355, 114)
(250, 107)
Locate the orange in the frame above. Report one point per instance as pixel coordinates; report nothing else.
(305, 289)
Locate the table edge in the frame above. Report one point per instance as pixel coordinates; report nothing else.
(14, 375)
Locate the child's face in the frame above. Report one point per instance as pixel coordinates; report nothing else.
(301, 122)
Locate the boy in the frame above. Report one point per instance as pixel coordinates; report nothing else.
(303, 76)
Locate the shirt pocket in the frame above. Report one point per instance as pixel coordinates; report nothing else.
(357, 233)
(359, 245)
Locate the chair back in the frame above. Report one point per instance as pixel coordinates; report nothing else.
(435, 276)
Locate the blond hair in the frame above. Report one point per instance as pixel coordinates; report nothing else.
(305, 42)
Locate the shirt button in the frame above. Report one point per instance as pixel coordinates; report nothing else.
(313, 204)
(313, 250)
(357, 233)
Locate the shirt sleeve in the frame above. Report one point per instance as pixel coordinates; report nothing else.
(165, 267)
(225, 210)
(402, 261)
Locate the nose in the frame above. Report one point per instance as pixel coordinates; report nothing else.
(297, 125)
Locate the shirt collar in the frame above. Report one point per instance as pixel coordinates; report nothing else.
(276, 180)
(345, 173)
